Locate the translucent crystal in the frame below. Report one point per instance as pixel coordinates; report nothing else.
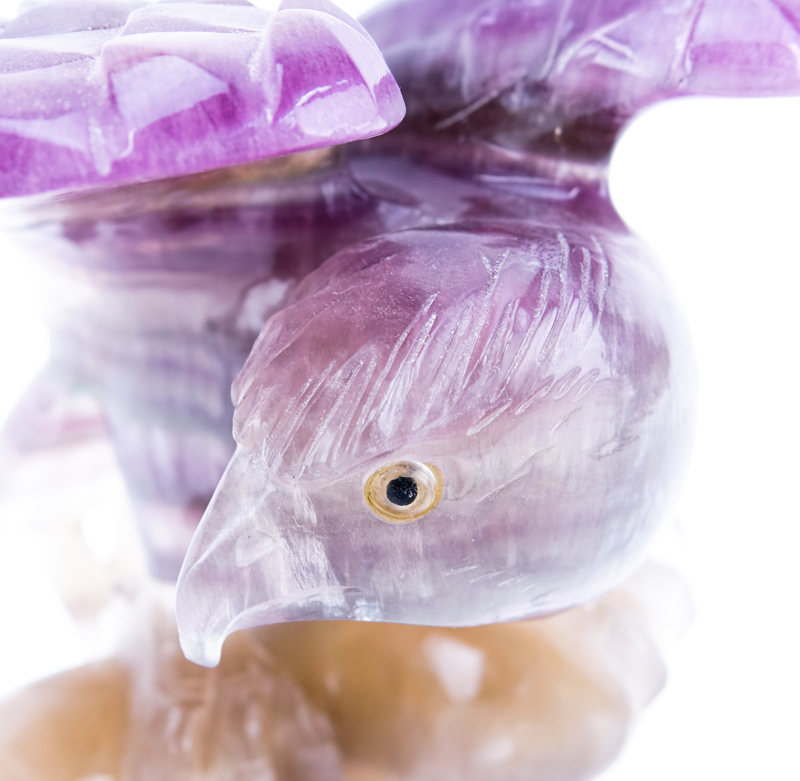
(536, 699)
(502, 330)
(533, 357)
(564, 77)
(468, 404)
(116, 92)
(551, 699)
(245, 720)
(158, 292)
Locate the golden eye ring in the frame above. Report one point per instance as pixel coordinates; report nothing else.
(403, 491)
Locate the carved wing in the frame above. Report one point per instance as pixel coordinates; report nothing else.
(565, 75)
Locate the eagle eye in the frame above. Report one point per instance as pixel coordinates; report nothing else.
(403, 491)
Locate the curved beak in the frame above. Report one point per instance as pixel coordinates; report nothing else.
(255, 559)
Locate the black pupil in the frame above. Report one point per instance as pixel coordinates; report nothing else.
(402, 491)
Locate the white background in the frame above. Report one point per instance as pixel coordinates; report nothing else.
(714, 185)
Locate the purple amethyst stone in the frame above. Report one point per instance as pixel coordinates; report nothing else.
(112, 93)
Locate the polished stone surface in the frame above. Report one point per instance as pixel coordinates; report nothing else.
(109, 93)
(346, 701)
(563, 76)
(510, 334)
